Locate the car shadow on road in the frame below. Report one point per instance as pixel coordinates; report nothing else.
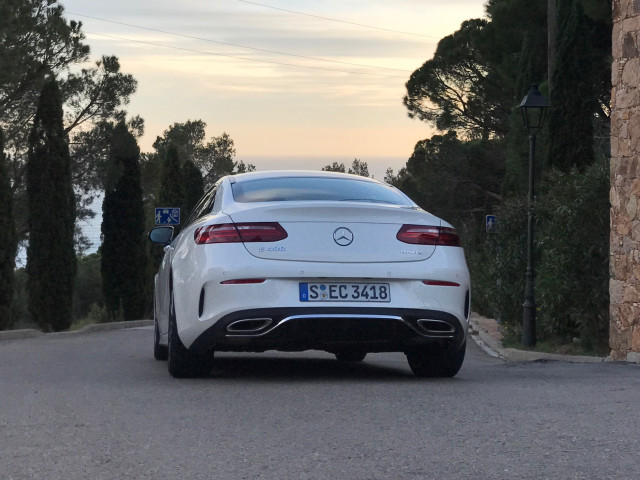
(305, 369)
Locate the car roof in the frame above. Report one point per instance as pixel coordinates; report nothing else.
(296, 173)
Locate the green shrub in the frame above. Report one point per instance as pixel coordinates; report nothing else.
(497, 268)
(88, 286)
(99, 314)
(571, 251)
(573, 243)
(20, 301)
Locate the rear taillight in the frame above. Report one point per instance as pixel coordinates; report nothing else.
(243, 281)
(240, 232)
(225, 233)
(429, 235)
(440, 283)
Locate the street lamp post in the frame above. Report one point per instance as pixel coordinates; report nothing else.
(533, 108)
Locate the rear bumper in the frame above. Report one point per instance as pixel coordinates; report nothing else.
(331, 329)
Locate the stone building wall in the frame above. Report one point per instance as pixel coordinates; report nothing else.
(624, 286)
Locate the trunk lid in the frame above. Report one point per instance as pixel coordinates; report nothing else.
(344, 232)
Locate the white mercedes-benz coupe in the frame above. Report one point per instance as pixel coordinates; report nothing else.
(301, 260)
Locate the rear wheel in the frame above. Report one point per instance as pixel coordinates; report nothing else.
(182, 362)
(436, 361)
(350, 355)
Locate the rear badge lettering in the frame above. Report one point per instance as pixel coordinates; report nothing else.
(411, 252)
(272, 249)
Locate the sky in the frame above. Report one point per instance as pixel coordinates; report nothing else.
(296, 84)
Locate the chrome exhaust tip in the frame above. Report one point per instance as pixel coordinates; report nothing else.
(436, 328)
(249, 325)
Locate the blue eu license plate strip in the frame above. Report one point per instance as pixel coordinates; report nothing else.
(304, 292)
(345, 292)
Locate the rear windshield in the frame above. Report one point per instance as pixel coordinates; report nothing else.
(287, 189)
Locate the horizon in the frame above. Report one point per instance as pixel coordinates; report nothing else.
(377, 166)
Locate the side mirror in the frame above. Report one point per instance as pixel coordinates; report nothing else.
(161, 235)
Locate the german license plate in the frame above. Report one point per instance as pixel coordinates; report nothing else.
(345, 292)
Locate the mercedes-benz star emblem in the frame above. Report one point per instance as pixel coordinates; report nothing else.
(343, 236)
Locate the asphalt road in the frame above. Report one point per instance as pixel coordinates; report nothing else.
(98, 406)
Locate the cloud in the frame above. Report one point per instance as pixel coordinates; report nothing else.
(268, 100)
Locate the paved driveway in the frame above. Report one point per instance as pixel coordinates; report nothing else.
(98, 406)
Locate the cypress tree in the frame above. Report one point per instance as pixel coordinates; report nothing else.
(172, 192)
(124, 257)
(7, 242)
(51, 260)
(193, 186)
(573, 100)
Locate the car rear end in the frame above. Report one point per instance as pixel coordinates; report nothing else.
(294, 274)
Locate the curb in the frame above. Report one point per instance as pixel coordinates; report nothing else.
(19, 334)
(97, 327)
(494, 347)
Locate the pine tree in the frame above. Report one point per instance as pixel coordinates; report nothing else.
(7, 242)
(51, 260)
(124, 257)
(358, 167)
(335, 167)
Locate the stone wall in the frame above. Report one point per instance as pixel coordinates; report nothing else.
(625, 183)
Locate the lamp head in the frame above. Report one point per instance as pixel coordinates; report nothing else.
(533, 108)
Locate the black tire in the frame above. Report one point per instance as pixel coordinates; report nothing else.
(435, 361)
(183, 363)
(160, 352)
(350, 355)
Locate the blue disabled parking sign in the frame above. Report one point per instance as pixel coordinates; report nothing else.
(167, 216)
(491, 223)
